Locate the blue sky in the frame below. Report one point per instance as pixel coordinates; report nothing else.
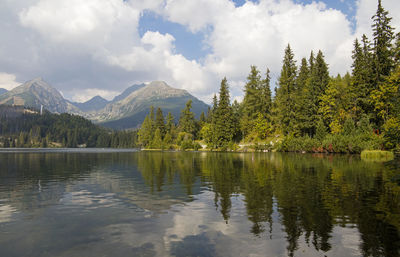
(100, 47)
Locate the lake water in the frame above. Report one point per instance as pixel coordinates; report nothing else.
(110, 203)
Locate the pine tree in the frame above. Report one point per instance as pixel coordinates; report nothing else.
(383, 36)
(186, 121)
(266, 100)
(285, 93)
(252, 102)
(223, 131)
(170, 125)
(315, 88)
(301, 105)
(361, 76)
(159, 122)
(145, 132)
(156, 142)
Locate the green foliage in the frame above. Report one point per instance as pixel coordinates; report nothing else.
(20, 128)
(187, 121)
(156, 142)
(223, 127)
(392, 133)
(321, 131)
(285, 93)
(298, 144)
(377, 155)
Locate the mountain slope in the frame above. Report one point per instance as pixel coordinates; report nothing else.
(127, 92)
(35, 93)
(2, 91)
(131, 111)
(94, 104)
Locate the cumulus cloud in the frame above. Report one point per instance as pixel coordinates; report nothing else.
(83, 95)
(8, 81)
(94, 47)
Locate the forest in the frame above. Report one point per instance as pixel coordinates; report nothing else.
(309, 111)
(22, 127)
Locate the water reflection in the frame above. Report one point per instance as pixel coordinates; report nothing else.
(197, 204)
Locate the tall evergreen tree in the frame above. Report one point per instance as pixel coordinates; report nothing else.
(301, 104)
(145, 132)
(383, 36)
(266, 100)
(170, 125)
(186, 120)
(315, 88)
(252, 103)
(224, 129)
(361, 76)
(285, 94)
(159, 122)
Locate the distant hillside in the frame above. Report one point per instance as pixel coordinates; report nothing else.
(127, 92)
(22, 127)
(94, 104)
(35, 93)
(125, 111)
(2, 91)
(131, 110)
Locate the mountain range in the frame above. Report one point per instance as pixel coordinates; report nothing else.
(125, 111)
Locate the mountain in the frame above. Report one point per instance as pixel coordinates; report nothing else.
(35, 93)
(125, 111)
(94, 104)
(128, 91)
(2, 91)
(130, 111)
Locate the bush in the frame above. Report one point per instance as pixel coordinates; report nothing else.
(298, 144)
(341, 143)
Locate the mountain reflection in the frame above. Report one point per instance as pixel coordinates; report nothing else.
(309, 199)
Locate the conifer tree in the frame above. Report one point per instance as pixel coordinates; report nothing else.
(315, 88)
(159, 122)
(285, 93)
(170, 124)
(266, 100)
(383, 36)
(186, 120)
(252, 102)
(223, 131)
(361, 76)
(145, 132)
(301, 105)
(156, 142)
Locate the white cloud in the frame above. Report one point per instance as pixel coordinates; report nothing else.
(8, 81)
(95, 44)
(83, 95)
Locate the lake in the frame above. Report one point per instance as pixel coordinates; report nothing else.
(132, 203)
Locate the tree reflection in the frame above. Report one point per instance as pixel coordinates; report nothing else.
(307, 195)
(312, 194)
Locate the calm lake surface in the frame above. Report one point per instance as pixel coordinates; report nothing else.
(100, 203)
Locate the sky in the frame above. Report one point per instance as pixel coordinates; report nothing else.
(100, 47)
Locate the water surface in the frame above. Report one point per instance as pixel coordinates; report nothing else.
(109, 203)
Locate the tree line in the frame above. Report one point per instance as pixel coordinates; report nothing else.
(310, 110)
(21, 127)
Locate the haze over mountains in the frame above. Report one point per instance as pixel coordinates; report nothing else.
(125, 111)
